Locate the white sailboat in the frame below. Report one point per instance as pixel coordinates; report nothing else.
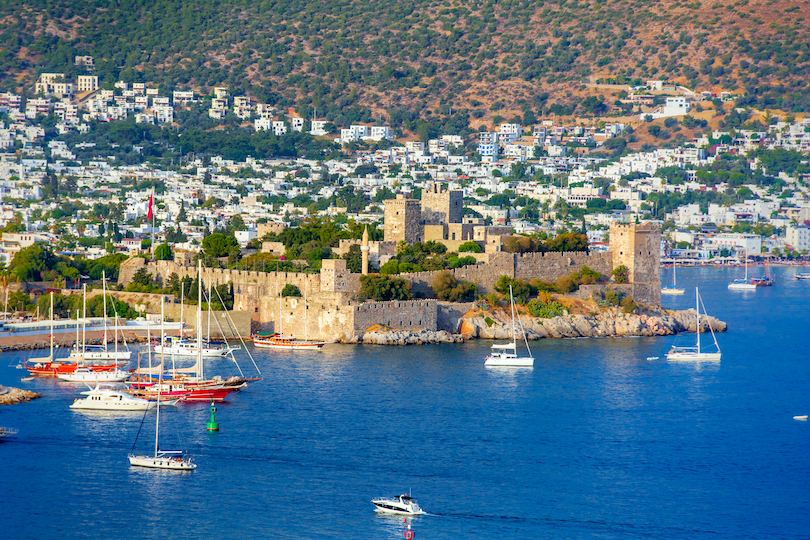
(743, 284)
(506, 354)
(162, 459)
(674, 289)
(695, 353)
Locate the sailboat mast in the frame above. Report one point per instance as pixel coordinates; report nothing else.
(160, 378)
(51, 326)
(208, 331)
(84, 316)
(182, 292)
(306, 320)
(104, 300)
(199, 321)
(512, 303)
(697, 322)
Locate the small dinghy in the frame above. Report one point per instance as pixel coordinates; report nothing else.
(803, 417)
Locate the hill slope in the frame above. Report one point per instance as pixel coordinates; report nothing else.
(402, 59)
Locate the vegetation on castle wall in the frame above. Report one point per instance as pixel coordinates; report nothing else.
(384, 288)
(448, 288)
(535, 243)
(420, 257)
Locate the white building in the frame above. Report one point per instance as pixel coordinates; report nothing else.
(798, 237)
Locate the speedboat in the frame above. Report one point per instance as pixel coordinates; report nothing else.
(802, 275)
(108, 397)
(400, 504)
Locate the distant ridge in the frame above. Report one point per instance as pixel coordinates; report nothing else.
(356, 61)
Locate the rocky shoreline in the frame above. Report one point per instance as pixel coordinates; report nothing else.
(12, 396)
(497, 324)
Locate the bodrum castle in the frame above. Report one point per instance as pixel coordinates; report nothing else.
(330, 305)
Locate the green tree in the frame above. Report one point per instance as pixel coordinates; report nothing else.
(469, 247)
(219, 245)
(163, 253)
(621, 274)
(290, 290)
(447, 287)
(384, 288)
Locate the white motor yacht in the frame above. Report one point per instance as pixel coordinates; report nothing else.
(182, 347)
(401, 504)
(109, 397)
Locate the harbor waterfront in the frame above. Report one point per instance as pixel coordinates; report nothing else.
(596, 440)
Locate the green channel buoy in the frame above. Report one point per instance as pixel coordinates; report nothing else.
(213, 425)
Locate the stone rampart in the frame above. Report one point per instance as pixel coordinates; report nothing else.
(546, 266)
(402, 315)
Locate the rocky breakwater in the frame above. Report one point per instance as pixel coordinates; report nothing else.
(12, 396)
(606, 322)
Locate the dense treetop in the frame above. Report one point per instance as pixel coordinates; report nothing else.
(359, 60)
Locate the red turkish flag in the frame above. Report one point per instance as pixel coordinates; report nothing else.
(151, 200)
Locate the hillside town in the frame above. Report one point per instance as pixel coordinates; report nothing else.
(541, 178)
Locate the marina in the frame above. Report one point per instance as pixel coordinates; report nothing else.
(599, 439)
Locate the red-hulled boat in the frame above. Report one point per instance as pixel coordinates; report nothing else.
(187, 391)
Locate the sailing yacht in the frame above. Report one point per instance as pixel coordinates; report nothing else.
(102, 352)
(84, 372)
(695, 353)
(743, 284)
(161, 459)
(506, 354)
(674, 289)
(194, 386)
(766, 280)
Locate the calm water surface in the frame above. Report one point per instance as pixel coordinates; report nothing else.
(595, 441)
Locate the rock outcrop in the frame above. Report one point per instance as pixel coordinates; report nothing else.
(12, 396)
(608, 322)
(497, 324)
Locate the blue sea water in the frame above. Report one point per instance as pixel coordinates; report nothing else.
(595, 441)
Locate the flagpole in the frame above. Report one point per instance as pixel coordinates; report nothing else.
(152, 211)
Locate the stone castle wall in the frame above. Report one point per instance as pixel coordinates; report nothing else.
(403, 315)
(527, 266)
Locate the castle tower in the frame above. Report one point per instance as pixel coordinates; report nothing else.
(402, 220)
(442, 206)
(638, 247)
(364, 250)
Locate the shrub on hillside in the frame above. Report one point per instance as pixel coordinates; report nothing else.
(447, 287)
(469, 247)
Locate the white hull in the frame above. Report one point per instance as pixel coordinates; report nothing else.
(94, 376)
(162, 462)
(693, 357)
(108, 404)
(671, 290)
(100, 356)
(192, 351)
(301, 345)
(509, 361)
(402, 505)
(742, 286)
